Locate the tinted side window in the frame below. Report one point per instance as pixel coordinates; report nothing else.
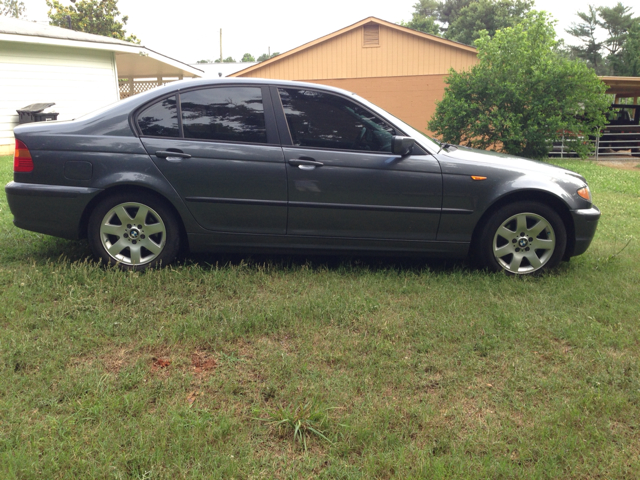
(324, 120)
(227, 113)
(160, 119)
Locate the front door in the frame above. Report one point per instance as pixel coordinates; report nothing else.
(343, 179)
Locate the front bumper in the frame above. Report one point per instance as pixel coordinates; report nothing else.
(50, 209)
(585, 222)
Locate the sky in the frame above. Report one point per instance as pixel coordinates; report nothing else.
(189, 30)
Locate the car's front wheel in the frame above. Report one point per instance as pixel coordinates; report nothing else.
(134, 230)
(523, 238)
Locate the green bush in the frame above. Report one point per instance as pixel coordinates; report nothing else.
(521, 95)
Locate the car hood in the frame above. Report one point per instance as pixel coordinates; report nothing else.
(506, 161)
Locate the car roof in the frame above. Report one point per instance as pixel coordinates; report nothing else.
(142, 98)
(213, 82)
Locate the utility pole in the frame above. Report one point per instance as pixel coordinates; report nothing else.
(220, 45)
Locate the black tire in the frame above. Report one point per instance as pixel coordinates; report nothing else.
(135, 230)
(509, 238)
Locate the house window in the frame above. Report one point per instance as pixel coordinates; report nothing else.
(371, 35)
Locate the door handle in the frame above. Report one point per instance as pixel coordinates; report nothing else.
(305, 163)
(172, 156)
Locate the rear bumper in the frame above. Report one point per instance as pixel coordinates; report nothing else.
(50, 209)
(585, 222)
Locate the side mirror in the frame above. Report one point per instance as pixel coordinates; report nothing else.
(402, 145)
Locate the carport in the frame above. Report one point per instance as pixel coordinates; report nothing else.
(623, 87)
(621, 137)
(140, 69)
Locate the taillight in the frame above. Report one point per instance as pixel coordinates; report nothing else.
(22, 161)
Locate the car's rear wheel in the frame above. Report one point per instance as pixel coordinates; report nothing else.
(523, 238)
(134, 230)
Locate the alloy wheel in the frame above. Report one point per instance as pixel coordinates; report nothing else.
(133, 233)
(524, 243)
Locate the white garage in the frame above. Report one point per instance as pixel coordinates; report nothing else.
(78, 71)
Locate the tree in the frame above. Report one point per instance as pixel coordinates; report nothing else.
(489, 15)
(205, 61)
(424, 17)
(521, 95)
(12, 8)
(586, 32)
(462, 20)
(100, 17)
(226, 60)
(427, 8)
(428, 12)
(617, 21)
(247, 57)
(608, 57)
(450, 10)
(423, 24)
(627, 63)
(266, 56)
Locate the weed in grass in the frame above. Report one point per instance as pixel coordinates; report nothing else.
(304, 421)
(616, 254)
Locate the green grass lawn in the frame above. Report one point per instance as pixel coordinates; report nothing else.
(225, 367)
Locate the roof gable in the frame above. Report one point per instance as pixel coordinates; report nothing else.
(352, 31)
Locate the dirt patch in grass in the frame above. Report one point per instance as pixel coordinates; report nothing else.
(161, 360)
(202, 363)
(160, 364)
(631, 164)
(114, 360)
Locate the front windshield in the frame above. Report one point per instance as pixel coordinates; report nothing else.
(422, 138)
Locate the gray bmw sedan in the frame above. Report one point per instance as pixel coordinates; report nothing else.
(274, 166)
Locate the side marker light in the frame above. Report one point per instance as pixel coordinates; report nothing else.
(585, 193)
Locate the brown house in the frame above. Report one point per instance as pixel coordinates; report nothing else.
(397, 68)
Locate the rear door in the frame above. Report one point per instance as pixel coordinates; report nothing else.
(219, 148)
(343, 179)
